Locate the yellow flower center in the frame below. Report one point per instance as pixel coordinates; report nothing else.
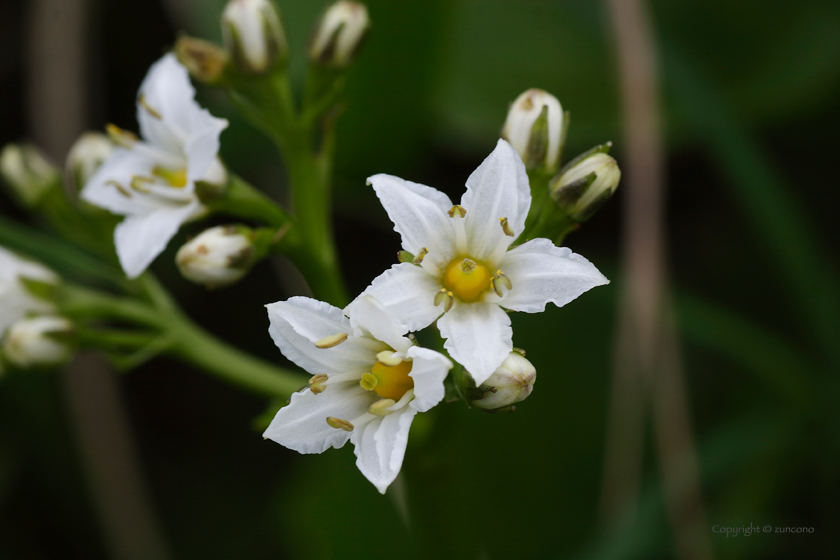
(467, 279)
(175, 177)
(390, 382)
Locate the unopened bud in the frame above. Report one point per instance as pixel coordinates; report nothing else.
(28, 174)
(204, 60)
(253, 35)
(218, 256)
(84, 158)
(339, 33)
(534, 127)
(511, 383)
(39, 342)
(586, 183)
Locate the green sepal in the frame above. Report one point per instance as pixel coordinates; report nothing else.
(568, 196)
(537, 150)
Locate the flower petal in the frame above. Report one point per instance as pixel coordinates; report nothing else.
(540, 273)
(478, 336)
(203, 145)
(299, 322)
(165, 104)
(371, 316)
(428, 370)
(380, 447)
(121, 168)
(420, 216)
(408, 292)
(141, 238)
(302, 424)
(497, 189)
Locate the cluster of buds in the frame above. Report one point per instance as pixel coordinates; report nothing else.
(511, 383)
(536, 126)
(27, 173)
(255, 42)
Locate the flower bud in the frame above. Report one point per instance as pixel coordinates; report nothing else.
(512, 382)
(203, 60)
(339, 33)
(39, 342)
(586, 183)
(218, 256)
(253, 35)
(84, 158)
(29, 175)
(534, 127)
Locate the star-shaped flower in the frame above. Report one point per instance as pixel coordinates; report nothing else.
(463, 267)
(369, 380)
(152, 181)
(16, 301)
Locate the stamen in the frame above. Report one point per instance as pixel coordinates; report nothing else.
(339, 424)
(141, 100)
(405, 257)
(420, 256)
(121, 137)
(137, 183)
(389, 358)
(123, 191)
(499, 280)
(446, 298)
(368, 381)
(457, 209)
(380, 407)
(316, 384)
(502, 278)
(331, 341)
(506, 227)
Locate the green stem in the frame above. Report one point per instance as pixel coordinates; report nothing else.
(244, 201)
(230, 364)
(315, 253)
(306, 142)
(186, 340)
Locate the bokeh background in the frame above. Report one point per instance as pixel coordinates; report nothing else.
(750, 107)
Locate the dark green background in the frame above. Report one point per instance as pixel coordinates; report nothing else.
(751, 112)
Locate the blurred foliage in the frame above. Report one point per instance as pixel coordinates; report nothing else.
(750, 91)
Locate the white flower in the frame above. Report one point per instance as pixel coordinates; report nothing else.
(466, 269)
(15, 300)
(152, 181)
(369, 382)
(31, 342)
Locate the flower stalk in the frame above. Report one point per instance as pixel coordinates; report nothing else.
(160, 319)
